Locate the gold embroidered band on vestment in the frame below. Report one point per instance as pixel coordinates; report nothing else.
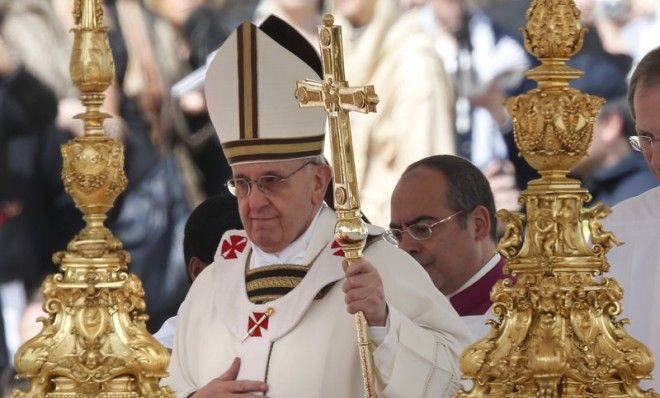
(268, 283)
(271, 282)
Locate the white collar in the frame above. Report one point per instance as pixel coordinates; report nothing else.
(295, 253)
(479, 274)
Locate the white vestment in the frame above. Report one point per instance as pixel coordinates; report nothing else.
(309, 346)
(636, 266)
(165, 335)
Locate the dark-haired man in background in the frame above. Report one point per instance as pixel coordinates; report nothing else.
(201, 238)
(443, 214)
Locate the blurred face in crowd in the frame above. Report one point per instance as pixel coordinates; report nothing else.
(449, 255)
(295, 5)
(175, 11)
(606, 131)
(274, 220)
(647, 121)
(358, 12)
(587, 10)
(450, 13)
(413, 3)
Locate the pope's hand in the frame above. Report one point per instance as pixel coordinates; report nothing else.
(363, 290)
(227, 386)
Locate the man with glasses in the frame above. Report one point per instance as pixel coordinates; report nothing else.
(274, 310)
(636, 221)
(443, 214)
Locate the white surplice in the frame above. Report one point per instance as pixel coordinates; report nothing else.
(636, 266)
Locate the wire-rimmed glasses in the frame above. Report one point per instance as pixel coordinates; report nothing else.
(642, 142)
(418, 231)
(267, 184)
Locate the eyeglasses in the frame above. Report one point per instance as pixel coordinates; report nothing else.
(268, 185)
(642, 142)
(418, 231)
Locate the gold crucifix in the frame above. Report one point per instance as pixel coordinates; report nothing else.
(337, 98)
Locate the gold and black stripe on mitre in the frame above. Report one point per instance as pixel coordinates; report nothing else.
(249, 87)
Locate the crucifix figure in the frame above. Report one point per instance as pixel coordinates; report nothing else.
(337, 98)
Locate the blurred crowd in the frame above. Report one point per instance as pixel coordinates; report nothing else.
(440, 67)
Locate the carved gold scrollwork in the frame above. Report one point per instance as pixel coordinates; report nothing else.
(511, 240)
(553, 129)
(603, 240)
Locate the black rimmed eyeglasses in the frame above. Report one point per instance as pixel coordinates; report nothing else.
(419, 231)
(268, 185)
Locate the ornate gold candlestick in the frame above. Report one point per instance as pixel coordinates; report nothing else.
(557, 335)
(94, 342)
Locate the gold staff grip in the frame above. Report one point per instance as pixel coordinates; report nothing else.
(351, 233)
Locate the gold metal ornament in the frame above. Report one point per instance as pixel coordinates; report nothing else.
(556, 333)
(94, 342)
(337, 98)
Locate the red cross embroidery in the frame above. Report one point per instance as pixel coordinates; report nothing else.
(260, 321)
(340, 252)
(235, 243)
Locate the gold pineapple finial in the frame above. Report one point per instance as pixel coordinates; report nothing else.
(94, 342)
(556, 334)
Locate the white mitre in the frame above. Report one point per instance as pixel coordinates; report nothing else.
(250, 86)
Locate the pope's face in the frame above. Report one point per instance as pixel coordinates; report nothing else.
(274, 221)
(647, 121)
(420, 197)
